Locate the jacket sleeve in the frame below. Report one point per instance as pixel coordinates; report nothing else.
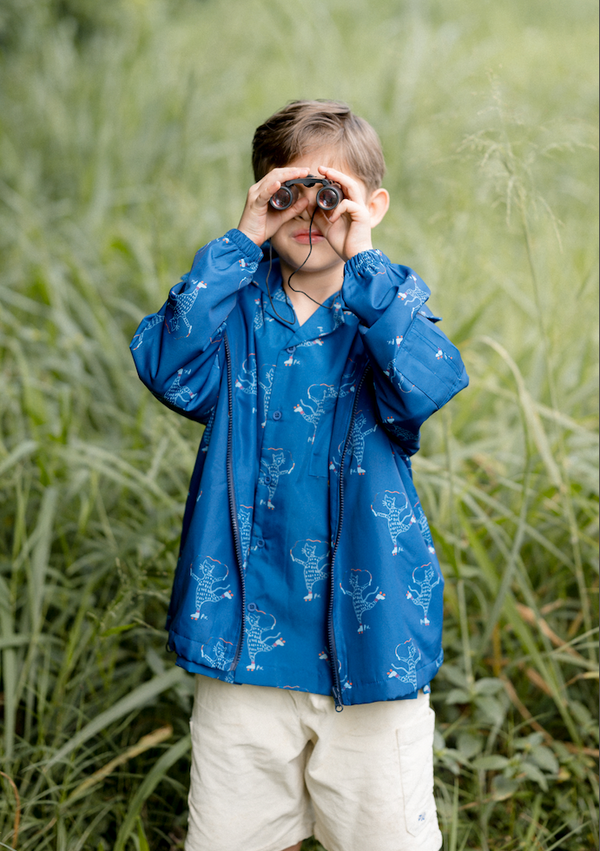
(416, 368)
(178, 352)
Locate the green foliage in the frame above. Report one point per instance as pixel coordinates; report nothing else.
(124, 145)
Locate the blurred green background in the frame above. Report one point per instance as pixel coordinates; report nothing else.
(125, 132)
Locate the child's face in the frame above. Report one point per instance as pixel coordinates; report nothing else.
(292, 240)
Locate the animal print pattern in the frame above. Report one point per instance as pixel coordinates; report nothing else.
(258, 624)
(399, 516)
(406, 671)
(181, 304)
(177, 392)
(207, 573)
(313, 556)
(423, 577)
(363, 599)
(279, 464)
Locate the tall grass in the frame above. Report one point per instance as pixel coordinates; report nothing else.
(124, 136)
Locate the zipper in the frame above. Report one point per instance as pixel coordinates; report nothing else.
(337, 685)
(232, 502)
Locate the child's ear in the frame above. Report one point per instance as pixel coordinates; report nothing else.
(378, 205)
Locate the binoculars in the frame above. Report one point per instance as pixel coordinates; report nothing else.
(328, 196)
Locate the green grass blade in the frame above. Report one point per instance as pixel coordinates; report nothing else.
(147, 786)
(139, 697)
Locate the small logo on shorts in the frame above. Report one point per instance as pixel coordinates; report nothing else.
(421, 817)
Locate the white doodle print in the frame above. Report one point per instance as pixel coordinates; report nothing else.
(312, 413)
(259, 316)
(181, 304)
(396, 341)
(245, 527)
(399, 519)
(344, 681)
(365, 262)
(217, 336)
(314, 558)
(208, 430)
(267, 386)
(408, 663)
(308, 343)
(223, 652)
(356, 446)
(254, 636)
(338, 315)
(279, 464)
(424, 527)
(397, 378)
(439, 355)
(210, 572)
(348, 382)
(291, 361)
(249, 267)
(246, 380)
(156, 320)
(423, 597)
(176, 392)
(414, 294)
(362, 599)
(357, 441)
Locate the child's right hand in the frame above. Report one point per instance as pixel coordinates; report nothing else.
(259, 220)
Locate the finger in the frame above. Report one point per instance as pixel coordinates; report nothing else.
(280, 175)
(288, 172)
(352, 208)
(277, 218)
(296, 208)
(351, 186)
(323, 220)
(273, 181)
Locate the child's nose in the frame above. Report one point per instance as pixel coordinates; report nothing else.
(310, 192)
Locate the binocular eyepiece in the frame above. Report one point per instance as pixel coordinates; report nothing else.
(328, 196)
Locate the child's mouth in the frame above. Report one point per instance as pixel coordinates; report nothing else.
(305, 237)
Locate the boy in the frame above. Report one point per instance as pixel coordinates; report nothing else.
(307, 571)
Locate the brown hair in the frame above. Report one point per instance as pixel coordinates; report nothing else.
(306, 125)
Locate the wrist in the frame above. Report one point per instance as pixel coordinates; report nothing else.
(249, 233)
(359, 249)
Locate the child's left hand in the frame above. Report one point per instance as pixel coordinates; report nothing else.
(348, 227)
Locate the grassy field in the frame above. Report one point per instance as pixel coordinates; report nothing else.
(124, 145)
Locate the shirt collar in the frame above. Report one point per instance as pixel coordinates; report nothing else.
(324, 320)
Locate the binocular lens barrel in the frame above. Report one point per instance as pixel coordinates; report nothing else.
(283, 198)
(328, 197)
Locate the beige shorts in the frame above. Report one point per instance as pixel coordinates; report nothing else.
(271, 767)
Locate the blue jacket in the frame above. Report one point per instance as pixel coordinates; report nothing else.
(401, 369)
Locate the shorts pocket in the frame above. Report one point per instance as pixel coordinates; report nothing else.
(415, 753)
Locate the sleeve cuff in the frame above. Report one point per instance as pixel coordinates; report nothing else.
(249, 249)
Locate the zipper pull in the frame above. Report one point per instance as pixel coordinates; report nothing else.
(338, 699)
